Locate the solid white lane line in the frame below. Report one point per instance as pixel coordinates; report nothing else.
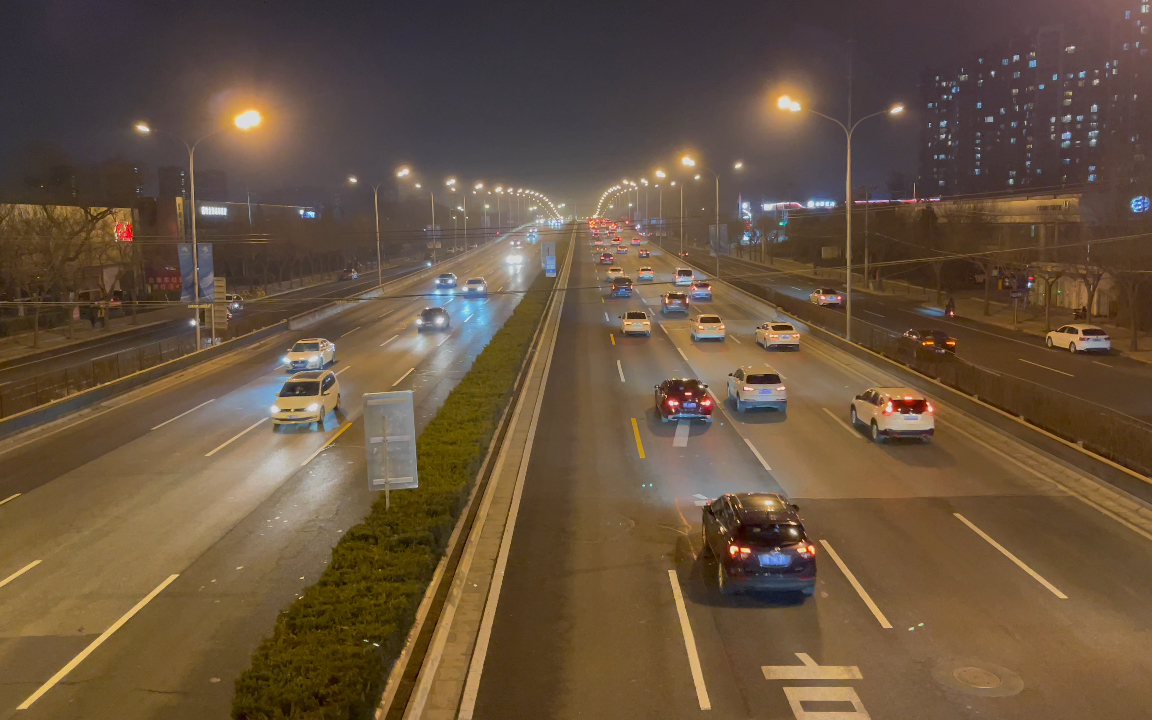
(736, 339)
(689, 643)
(19, 572)
(403, 376)
(94, 644)
(683, 427)
(1097, 362)
(229, 441)
(389, 340)
(469, 317)
(873, 313)
(1019, 563)
(758, 455)
(351, 331)
(620, 370)
(682, 355)
(843, 424)
(606, 316)
(182, 414)
(665, 329)
(443, 339)
(346, 367)
(856, 584)
(9, 499)
(1045, 367)
(327, 444)
(499, 288)
(447, 301)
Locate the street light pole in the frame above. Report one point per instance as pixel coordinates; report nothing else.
(376, 205)
(786, 103)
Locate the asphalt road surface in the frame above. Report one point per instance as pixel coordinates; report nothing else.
(185, 481)
(921, 614)
(1112, 381)
(264, 312)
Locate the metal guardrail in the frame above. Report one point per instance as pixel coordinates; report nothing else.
(1099, 429)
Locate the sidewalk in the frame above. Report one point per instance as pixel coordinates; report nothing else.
(970, 307)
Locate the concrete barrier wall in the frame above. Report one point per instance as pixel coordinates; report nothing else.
(59, 408)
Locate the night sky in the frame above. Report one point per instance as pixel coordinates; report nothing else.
(566, 98)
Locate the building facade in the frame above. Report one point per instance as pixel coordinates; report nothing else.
(1056, 107)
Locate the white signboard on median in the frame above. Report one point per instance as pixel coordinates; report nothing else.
(390, 441)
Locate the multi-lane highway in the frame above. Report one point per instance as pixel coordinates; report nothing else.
(147, 544)
(956, 580)
(1112, 381)
(256, 314)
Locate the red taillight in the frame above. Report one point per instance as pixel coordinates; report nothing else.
(706, 402)
(737, 550)
(1084, 339)
(888, 408)
(930, 408)
(928, 342)
(672, 402)
(806, 551)
(950, 342)
(749, 389)
(774, 336)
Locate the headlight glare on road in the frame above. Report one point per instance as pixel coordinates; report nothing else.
(313, 407)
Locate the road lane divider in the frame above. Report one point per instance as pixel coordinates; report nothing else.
(346, 367)
(689, 644)
(1006, 553)
(469, 317)
(758, 455)
(857, 586)
(683, 428)
(19, 572)
(606, 319)
(1045, 367)
(94, 644)
(183, 414)
(612, 337)
(389, 340)
(327, 444)
(410, 370)
(620, 369)
(843, 424)
(636, 434)
(735, 339)
(235, 437)
(351, 331)
(9, 499)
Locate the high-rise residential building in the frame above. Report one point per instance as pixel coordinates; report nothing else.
(173, 182)
(1056, 107)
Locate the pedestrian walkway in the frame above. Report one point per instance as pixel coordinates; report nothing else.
(82, 330)
(970, 307)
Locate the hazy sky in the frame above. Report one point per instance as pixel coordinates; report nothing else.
(563, 97)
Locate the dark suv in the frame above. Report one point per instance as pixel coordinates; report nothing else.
(683, 399)
(759, 544)
(622, 287)
(433, 318)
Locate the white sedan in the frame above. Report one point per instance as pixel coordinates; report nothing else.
(708, 327)
(310, 353)
(752, 387)
(614, 272)
(777, 334)
(1080, 338)
(476, 286)
(635, 322)
(826, 297)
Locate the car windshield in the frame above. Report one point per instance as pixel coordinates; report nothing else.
(635, 315)
(476, 281)
(709, 318)
(683, 273)
(763, 379)
(622, 281)
(783, 328)
(703, 285)
(1092, 332)
(675, 296)
(827, 291)
(446, 276)
(306, 347)
(300, 388)
(431, 312)
(770, 534)
(692, 386)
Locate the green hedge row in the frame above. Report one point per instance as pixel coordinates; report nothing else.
(330, 649)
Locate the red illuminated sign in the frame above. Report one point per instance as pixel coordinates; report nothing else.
(124, 232)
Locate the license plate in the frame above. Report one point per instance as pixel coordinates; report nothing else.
(689, 406)
(775, 560)
(911, 418)
(766, 391)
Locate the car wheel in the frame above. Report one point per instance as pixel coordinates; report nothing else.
(1072, 348)
(876, 436)
(722, 580)
(739, 405)
(705, 548)
(693, 337)
(337, 407)
(852, 415)
(275, 427)
(1048, 343)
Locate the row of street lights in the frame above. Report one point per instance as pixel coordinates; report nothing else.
(788, 104)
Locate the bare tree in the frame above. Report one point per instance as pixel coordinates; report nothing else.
(1129, 266)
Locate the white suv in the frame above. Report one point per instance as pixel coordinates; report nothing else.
(476, 286)
(893, 412)
(752, 387)
(683, 276)
(1080, 338)
(614, 272)
(635, 321)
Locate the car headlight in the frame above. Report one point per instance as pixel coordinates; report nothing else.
(285, 360)
(274, 409)
(314, 357)
(313, 407)
(419, 321)
(439, 321)
(192, 322)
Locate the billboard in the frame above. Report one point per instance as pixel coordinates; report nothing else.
(207, 276)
